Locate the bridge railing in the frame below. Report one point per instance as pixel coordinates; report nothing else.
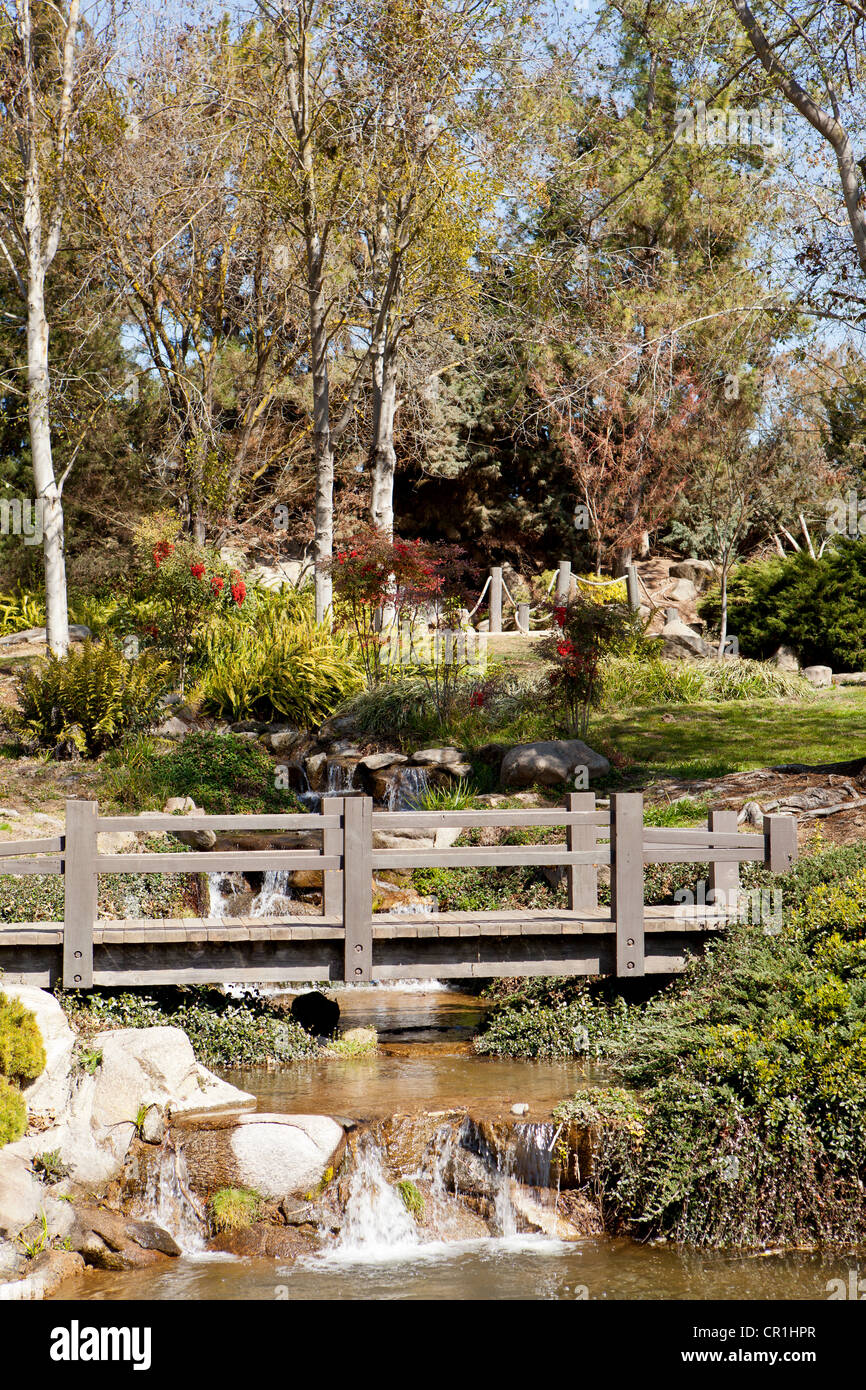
(342, 847)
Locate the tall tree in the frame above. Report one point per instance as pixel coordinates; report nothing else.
(44, 89)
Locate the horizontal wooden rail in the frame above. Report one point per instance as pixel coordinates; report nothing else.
(434, 820)
(702, 854)
(351, 942)
(32, 866)
(31, 846)
(303, 821)
(491, 856)
(215, 861)
(663, 836)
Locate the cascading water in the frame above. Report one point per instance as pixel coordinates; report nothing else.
(406, 788)
(167, 1200)
(274, 896)
(376, 1224)
(467, 1189)
(340, 778)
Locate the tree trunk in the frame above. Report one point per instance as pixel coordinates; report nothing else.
(47, 490)
(723, 630)
(383, 457)
(324, 541)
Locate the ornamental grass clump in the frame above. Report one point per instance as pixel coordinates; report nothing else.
(282, 667)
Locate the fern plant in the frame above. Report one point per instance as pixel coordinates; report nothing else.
(87, 700)
(22, 610)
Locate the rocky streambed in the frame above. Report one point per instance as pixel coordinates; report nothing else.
(137, 1156)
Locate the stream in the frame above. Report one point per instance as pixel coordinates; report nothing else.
(425, 1065)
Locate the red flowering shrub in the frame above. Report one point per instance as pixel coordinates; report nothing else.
(183, 586)
(586, 633)
(381, 584)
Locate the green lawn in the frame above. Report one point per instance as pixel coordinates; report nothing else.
(712, 739)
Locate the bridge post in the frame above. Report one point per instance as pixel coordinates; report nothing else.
(724, 880)
(80, 884)
(780, 842)
(358, 888)
(582, 879)
(332, 843)
(626, 881)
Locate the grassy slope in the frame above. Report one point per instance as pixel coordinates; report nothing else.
(708, 740)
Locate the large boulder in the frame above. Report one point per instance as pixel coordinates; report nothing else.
(819, 676)
(438, 757)
(145, 1074)
(155, 1067)
(376, 762)
(683, 591)
(275, 1155)
(785, 659)
(550, 763)
(700, 572)
(681, 642)
(20, 1193)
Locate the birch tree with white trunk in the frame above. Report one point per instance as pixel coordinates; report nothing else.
(38, 113)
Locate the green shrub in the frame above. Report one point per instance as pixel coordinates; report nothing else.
(553, 1018)
(222, 1032)
(818, 607)
(87, 700)
(22, 610)
(221, 772)
(13, 1114)
(611, 1106)
(22, 1054)
(752, 1071)
(234, 1208)
(277, 667)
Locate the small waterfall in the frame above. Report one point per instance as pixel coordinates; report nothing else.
(272, 900)
(217, 897)
(274, 896)
(376, 1223)
(340, 778)
(167, 1200)
(406, 788)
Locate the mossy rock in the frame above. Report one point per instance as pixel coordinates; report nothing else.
(13, 1114)
(22, 1055)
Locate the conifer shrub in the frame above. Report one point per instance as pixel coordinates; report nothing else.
(13, 1113)
(22, 1058)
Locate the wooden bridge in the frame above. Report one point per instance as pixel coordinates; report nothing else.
(349, 941)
